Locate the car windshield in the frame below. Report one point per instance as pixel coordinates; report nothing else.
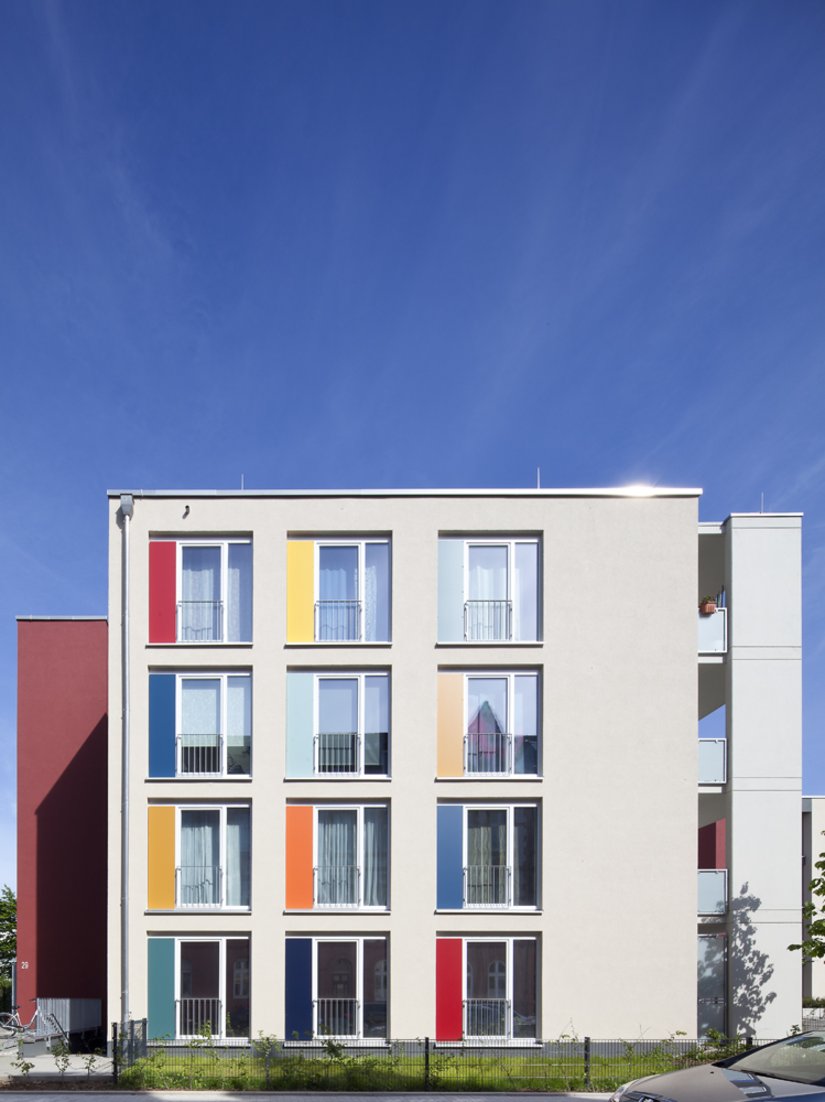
(801, 1059)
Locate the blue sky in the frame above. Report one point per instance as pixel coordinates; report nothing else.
(405, 244)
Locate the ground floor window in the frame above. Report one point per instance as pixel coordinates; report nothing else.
(336, 987)
(198, 987)
(486, 988)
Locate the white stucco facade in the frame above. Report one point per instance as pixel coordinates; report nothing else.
(605, 914)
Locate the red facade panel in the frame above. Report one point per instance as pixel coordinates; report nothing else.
(448, 963)
(162, 591)
(61, 809)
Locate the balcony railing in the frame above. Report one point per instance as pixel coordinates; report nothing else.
(712, 891)
(199, 753)
(337, 752)
(200, 621)
(337, 621)
(336, 1017)
(199, 1016)
(336, 885)
(713, 632)
(198, 885)
(487, 1018)
(713, 760)
(487, 753)
(487, 886)
(488, 621)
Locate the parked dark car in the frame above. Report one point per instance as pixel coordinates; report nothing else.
(791, 1068)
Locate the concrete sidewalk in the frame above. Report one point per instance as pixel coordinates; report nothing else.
(45, 1066)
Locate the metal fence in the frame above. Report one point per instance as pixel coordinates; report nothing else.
(565, 1064)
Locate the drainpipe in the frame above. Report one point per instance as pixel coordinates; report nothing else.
(127, 507)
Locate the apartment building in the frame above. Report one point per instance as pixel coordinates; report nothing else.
(462, 764)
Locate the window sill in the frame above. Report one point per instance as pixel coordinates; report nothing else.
(360, 1042)
(490, 1042)
(378, 911)
(204, 778)
(350, 778)
(520, 778)
(508, 643)
(187, 911)
(202, 645)
(488, 911)
(338, 644)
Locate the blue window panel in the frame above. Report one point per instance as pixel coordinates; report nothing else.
(451, 590)
(299, 724)
(161, 986)
(161, 725)
(298, 988)
(450, 875)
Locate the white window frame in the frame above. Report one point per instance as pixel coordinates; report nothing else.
(509, 543)
(222, 992)
(510, 809)
(223, 544)
(222, 809)
(350, 675)
(223, 677)
(359, 983)
(359, 809)
(509, 676)
(509, 942)
(361, 544)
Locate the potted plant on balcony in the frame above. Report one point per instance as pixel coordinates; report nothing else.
(707, 605)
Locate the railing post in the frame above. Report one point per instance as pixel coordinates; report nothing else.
(426, 1063)
(587, 1063)
(115, 1060)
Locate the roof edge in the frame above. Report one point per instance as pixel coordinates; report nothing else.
(639, 491)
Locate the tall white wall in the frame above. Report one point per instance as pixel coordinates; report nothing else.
(764, 780)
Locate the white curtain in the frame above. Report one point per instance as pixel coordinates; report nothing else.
(337, 861)
(201, 592)
(375, 856)
(238, 724)
(488, 573)
(237, 857)
(200, 858)
(487, 856)
(239, 597)
(377, 592)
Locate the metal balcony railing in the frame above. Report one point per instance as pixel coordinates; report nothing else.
(337, 621)
(200, 621)
(336, 885)
(713, 760)
(199, 1016)
(198, 885)
(712, 891)
(713, 632)
(337, 752)
(487, 1018)
(199, 753)
(487, 886)
(488, 621)
(336, 1017)
(488, 753)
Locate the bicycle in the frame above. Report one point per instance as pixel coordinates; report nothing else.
(11, 1023)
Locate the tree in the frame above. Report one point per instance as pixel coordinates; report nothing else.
(8, 939)
(813, 944)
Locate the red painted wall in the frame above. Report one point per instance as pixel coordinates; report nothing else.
(61, 809)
